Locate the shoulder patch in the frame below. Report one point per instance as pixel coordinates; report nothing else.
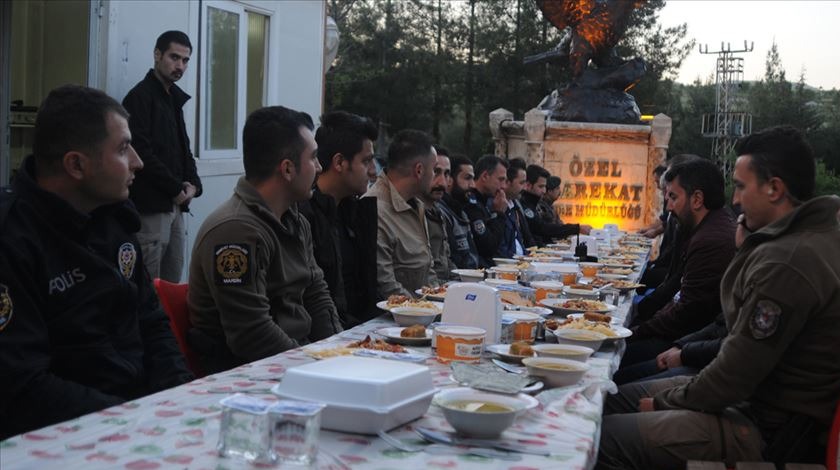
(765, 319)
(6, 307)
(479, 227)
(126, 259)
(529, 213)
(233, 264)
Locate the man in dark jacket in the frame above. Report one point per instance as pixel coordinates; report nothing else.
(696, 197)
(462, 247)
(536, 178)
(168, 181)
(80, 325)
(344, 225)
(487, 207)
(772, 389)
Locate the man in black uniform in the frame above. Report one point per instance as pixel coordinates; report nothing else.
(80, 325)
(487, 205)
(462, 247)
(536, 178)
(344, 225)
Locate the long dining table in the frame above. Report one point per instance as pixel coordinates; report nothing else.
(179, 427)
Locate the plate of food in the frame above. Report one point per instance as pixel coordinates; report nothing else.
(611, 331)
(415, 335)
(432, 293)
(625, 286)
(567, 306)
(599, 283)
(583, 290)
(624, 271)
(512, 352)
(397, 300)
(612, 277)
(592, 316)
(619, 264)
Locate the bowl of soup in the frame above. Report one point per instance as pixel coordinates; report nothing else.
(481, 414)
(563, 351)
(556, 372)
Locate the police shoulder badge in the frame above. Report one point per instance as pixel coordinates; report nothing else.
(6, 307)
(126, 259)
(233, 264)
(479, 227)
(765, 319)
(529, 213)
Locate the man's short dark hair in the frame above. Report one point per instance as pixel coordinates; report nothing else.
(552, 183)
(72, 117)
(458, 161)
(700, 175)
(344, 133)
(488, 164)
(271, 135)
(781, 152)
(407, 146)
(535, 172)
(514, 166)
(167, 38)
(442, 150)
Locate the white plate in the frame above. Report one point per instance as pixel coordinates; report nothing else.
(555, 304)
(501, 282)
(613, 276)
(383, 304)
(582, 292)
(534, 387)
(435, 297)
(505, 261)
(542, 311)
(608, 264)
(620, 333)
(392, 335)
(503, 351)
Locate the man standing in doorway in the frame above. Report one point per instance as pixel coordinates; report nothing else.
(163, 189)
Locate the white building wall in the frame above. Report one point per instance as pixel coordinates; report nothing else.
(295, 76)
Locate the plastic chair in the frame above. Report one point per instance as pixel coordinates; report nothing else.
(832, 454)
(173, 298)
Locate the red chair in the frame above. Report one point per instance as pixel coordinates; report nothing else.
(173, 298)
(832, 455)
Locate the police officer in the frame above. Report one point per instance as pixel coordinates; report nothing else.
(487, 205)
(462, 247)
(771, 391)
(80, 325)
(536, 178)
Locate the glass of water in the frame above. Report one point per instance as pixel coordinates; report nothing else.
(295, 426)
(245, 429)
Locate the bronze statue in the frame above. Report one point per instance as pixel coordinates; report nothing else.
(600, 79)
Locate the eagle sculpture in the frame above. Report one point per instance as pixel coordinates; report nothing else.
(592, 28)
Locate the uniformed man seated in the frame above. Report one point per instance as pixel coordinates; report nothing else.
(255, 288)
(536, 179)
(80, 324)
(772, 389)
(403, 256)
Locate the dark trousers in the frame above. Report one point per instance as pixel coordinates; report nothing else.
(648, 370)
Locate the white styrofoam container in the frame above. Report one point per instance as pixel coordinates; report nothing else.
(363, 395)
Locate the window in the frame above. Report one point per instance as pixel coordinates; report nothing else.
(234, 54)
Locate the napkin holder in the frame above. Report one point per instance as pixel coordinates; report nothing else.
(472, 304)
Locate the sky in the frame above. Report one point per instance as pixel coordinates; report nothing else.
(805, 32)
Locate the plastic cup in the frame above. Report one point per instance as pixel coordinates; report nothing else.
(459, 343)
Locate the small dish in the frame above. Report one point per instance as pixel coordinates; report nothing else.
(503, 351)
(564, 351)
(392, 335)
(469, 275)
(407, 316)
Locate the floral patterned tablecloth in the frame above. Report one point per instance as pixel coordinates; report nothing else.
(179, 428)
